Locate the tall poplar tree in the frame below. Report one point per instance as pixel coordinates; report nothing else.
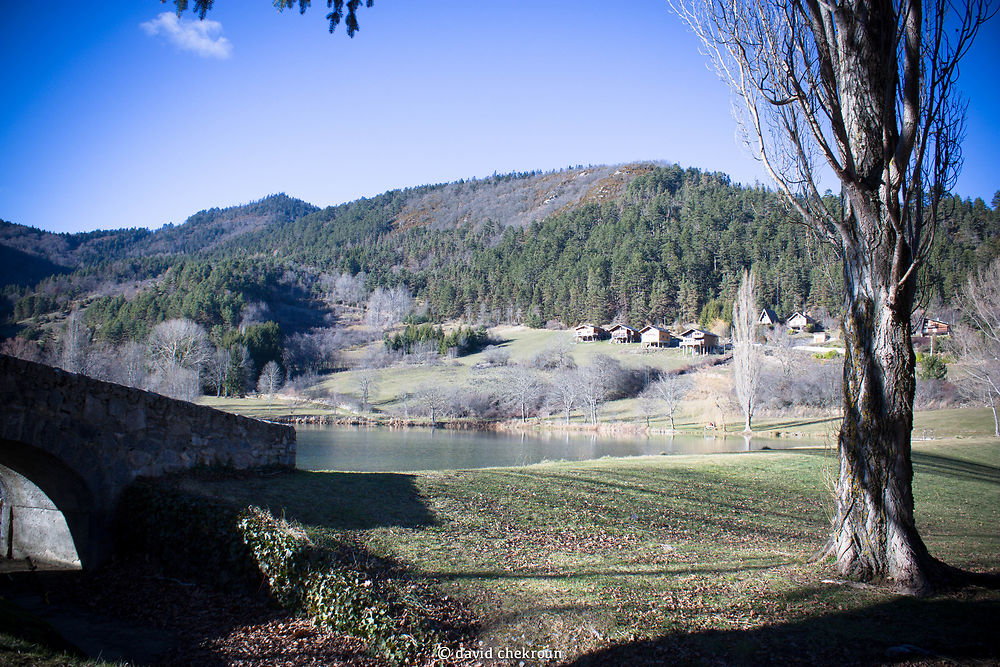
(867, 90)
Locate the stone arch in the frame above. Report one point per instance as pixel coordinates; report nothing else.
(68, 492)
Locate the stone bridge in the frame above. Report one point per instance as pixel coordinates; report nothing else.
(69, 444)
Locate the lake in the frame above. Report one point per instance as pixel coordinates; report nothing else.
(396, 450)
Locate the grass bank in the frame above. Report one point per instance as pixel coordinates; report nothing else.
(694, 558)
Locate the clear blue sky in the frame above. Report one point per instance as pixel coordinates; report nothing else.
(107, 123)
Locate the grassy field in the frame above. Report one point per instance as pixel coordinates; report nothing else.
(521, 343)
(692, 559)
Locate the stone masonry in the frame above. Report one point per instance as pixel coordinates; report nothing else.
(82, 440)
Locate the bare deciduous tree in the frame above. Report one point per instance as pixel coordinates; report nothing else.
(270, 380)
(172, 379)
(565, 392)
(22, 349)
(217, 368)
(597, 382)
(367, 379)
(102, 362)
(521, 388)
(670, 390)
(781, 345)
(178, 342)
(387, 307)
(255, 312)
(74, 344)
(866, 89)
(979, 346)
(133, 364)
(343, 288)
(433, 402)
(748, 356)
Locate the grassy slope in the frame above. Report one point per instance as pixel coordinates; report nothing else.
(699, 557)
(523, 343)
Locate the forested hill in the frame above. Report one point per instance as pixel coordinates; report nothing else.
(652, 243)
(201, 231)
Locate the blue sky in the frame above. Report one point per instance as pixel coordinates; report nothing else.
(106, 123)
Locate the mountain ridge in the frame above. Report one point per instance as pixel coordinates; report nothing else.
(646, 242)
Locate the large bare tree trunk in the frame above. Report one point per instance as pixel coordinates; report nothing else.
(874, 534)
(866, 88)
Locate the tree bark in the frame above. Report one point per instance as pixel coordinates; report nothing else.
(874, 535)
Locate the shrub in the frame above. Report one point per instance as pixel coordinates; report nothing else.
(933, 394)
(933, 367)
(304, 578)
(495, 356)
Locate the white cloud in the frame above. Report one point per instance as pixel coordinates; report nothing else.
(201, 37)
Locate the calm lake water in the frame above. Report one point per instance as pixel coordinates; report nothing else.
(397, 450)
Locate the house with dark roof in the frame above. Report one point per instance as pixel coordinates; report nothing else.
(799, 321)
(588, 333)
(623, 333)
(699, 341)
(768, 318)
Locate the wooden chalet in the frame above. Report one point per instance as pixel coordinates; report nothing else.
(799, 321)
(622, 333)
(932, 327)
(589, 332)
(699, 341)
(655, 337)
(768, 318)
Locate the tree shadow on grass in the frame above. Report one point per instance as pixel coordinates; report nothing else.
(333, 500)
(902, 630)
(578, 575)
(944, 465)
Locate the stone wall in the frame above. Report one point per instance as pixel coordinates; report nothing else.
(82, 440)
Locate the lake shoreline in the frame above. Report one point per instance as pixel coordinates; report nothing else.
(365, 448)
(630, 429)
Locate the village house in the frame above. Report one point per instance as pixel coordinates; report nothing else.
(800, 321)
(655, 337)
(588, 332)
(768, 318)
(622, 333)
(699, 341)
(932, 327)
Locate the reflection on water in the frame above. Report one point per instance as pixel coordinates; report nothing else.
(390, 450)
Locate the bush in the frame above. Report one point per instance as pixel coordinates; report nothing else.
(553, 358)
(813, 386)
(305, 578)
(495, 356)
(933, 367)
(935, 394)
